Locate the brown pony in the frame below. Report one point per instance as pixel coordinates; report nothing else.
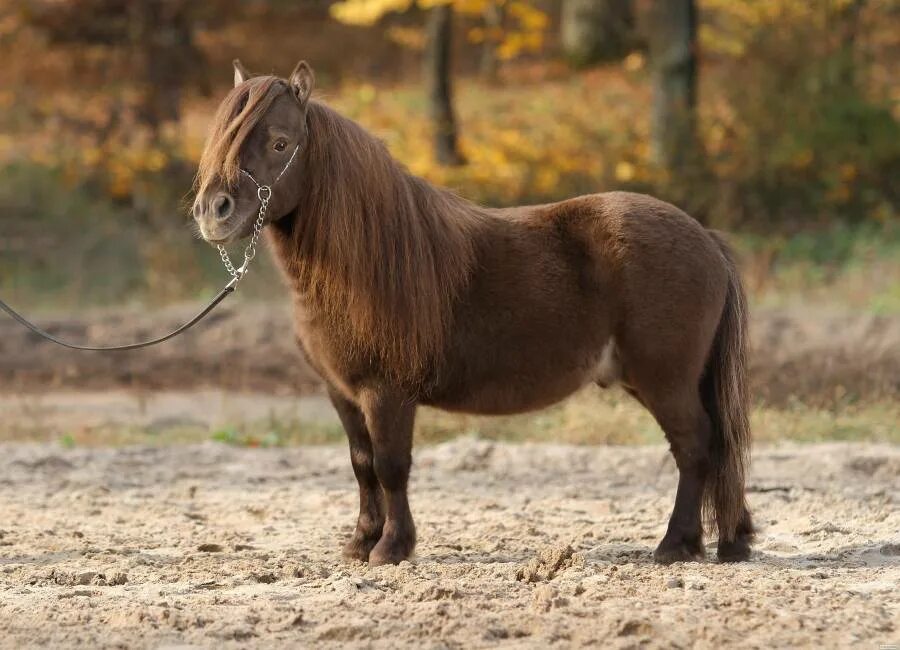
(407, 294)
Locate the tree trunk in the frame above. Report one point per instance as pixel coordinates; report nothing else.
(162, 40)
(440, 89)
(596, 30)
(493, 24)
(673, 51)
(848, 26)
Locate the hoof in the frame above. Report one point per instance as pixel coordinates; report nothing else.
(737, 550)
(679, 551)
(391, 551)
(359, 547)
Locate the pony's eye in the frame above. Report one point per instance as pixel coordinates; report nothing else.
(280, 145)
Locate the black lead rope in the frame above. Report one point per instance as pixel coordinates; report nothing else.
(229, 288)
(264, 194)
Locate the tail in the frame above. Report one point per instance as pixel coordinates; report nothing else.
(726, 395)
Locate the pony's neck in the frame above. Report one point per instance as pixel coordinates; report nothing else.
(378, 252)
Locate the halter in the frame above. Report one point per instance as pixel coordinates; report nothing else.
(264, 194)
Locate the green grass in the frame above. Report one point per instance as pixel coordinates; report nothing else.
(855, 267)
(610, 417)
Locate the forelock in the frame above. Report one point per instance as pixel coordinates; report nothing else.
(237, 115)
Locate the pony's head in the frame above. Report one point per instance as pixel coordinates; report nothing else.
(259, 135)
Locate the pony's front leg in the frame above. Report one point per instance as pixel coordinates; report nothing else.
(389, 417)
(371, 507)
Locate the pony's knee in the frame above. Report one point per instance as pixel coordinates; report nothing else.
(361, 459)
(392, 472)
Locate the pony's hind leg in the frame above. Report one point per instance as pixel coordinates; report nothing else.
(737, 549)
(676, 406)
(390, 419)
(370, 522)
(689, 432)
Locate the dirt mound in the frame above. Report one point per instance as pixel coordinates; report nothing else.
(214, 546)
(819, 358)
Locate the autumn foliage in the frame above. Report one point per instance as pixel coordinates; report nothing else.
(798, 112)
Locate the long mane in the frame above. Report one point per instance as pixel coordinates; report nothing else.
(379, 253)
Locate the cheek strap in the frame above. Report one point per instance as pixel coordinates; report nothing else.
(277, 178)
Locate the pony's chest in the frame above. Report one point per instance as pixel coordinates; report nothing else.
(326, 350)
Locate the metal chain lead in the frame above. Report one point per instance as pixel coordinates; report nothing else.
(264, 193)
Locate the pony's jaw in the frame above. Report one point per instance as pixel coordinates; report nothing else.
(226, 233)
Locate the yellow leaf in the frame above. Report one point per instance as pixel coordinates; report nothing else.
(634, 62)
(625, 171)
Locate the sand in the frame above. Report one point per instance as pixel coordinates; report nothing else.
(520, 546)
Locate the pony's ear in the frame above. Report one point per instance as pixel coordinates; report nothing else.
(302, 81)
(240, 72)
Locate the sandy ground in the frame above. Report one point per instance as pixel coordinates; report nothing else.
(520, 546)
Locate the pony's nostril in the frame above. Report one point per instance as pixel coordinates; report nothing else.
(222, 206)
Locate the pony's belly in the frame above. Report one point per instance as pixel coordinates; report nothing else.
(500, 399)
(527, 389)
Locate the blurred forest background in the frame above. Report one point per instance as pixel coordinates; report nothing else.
(777, 120)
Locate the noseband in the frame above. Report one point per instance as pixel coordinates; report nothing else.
(264, 194)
